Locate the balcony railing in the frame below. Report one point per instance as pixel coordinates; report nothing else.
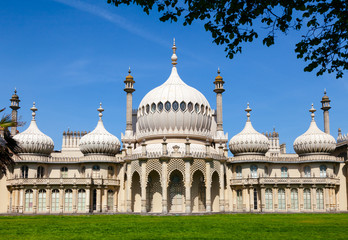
(62, 181)
(279, 180)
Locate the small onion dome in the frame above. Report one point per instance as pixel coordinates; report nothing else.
(32, 140)
(249, 141)
(99, 141)
(14, 96)
(314, 141)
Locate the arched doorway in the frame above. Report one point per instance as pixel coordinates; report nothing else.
(154, 193)
(136, 193)
(198, 192)
(215, 190)
(176, 192)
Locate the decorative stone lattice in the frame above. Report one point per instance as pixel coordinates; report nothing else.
(153, 164)
(176, 164)
(198, 164)
(215, 168)
(135, 167)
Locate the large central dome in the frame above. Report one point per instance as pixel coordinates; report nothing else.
(174, 108)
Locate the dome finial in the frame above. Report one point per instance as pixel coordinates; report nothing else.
(174, 57)
(324, 91)
(312, 110)
(15, 91)
(248, 110)
(218, 71)
(34, 109)
(100, 110)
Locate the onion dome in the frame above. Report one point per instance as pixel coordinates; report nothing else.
(99, 141)
(32, 140)
(249, 141)
(314, 141)
(174, 108)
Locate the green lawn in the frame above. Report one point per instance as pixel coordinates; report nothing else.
(224, 226)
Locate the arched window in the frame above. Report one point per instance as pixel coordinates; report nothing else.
(96, 171)
(183, 106)
(55, 200)
(269, 199)
(190, 106)
(153, 107)
(294, 199)
(40, 172)
(320, 198)
(83, 171)
(64, 172)
(160, 106)
(42, 200)
(147, 108)
(110, 171)
(238, 172)
(202, 109)
(307, 198)
(175, 106)
(110, 200)
(266, 171)
(167, 106)
(281, 199)
(284, 172)
(81, 200)
(29, 200)
(239, 199)
(307, 171)
(253, 171)
(196, 107)
(24, 171)
(68, 200)
(322, 171)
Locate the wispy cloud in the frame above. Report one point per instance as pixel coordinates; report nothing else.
(113, 18)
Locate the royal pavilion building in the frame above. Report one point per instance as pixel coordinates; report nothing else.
(175, 159)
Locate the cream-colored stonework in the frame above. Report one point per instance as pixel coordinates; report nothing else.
(175, 160)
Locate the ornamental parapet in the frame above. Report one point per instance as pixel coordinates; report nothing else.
(284, 181)
(179, 154)
(302, 159)
(61, 181)
(89, 158)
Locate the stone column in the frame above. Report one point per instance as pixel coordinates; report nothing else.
(21, 199)
(14, 200)
(115, 200)
(300, 198)
(187, 186)
(245, 198)
(98, 199)
(275, 199)
(251, 198)
(326, 199)
(35, 199)
(287, 198)
(121, 189)
(88, 199)
(208, 186)
(222, 188)
(314, 198)
(143, 186)
(74, 199)
(262, 199)
(61, 199)
(164, 187)
(105, 200)
(234, 199)
(48, 199)
(129, 188)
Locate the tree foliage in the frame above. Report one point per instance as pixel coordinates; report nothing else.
(8, 145)
(232, 23)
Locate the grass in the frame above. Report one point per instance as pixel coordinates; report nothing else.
(224, 226)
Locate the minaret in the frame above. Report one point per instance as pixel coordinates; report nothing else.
(219, 89)
(14, 106)
(129, 89)
(325, 107)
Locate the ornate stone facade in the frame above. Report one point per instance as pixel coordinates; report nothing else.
(175, 160)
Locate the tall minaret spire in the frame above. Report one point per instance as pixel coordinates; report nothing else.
(129, 89)
(14, 106)
(325, 101)
(174, 57)
(219, 89)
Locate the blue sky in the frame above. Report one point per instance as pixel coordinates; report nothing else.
(69, 55)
